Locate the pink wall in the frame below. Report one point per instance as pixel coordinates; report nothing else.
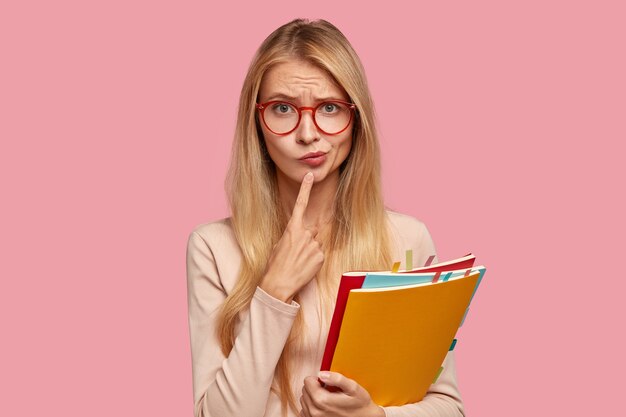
(502, 127)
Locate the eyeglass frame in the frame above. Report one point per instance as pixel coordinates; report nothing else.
(262, 106)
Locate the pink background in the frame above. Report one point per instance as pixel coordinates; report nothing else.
(502, 128)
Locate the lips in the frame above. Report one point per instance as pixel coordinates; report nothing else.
(314, 159)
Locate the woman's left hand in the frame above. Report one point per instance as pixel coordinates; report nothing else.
(352, 401)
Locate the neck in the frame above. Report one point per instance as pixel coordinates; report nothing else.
(319, 211)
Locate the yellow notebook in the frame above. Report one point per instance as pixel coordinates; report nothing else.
(394, 340)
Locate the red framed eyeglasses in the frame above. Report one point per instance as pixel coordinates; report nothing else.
(282, 117)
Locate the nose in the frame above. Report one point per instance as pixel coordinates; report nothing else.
(307, 131)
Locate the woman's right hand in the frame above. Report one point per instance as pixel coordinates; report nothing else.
(297, 256)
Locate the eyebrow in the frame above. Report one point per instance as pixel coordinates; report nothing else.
(281, 96)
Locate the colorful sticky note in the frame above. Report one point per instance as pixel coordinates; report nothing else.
(430, 260)
(395, 267)
(452, 345)
(409, 259)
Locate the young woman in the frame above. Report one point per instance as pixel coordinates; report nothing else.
(306, 204)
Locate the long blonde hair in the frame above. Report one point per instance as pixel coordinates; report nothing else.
(358, 231)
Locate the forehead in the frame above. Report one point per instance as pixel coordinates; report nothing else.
(300, 80)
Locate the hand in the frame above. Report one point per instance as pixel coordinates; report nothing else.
(353, 400)
(297, 256)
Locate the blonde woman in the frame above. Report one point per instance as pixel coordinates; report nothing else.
(306, 205)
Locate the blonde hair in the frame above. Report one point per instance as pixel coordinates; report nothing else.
(358, 237)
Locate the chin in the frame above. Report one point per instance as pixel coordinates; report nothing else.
(319, 173)
(319, 176)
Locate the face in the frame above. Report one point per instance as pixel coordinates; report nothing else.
(304, 84)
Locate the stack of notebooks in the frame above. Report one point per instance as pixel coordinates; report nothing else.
(391, 330)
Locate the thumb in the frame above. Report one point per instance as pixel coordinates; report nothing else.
(336, 379)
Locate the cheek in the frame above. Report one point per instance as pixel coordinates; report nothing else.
(344, 148)
(268, 141)
(278, 149)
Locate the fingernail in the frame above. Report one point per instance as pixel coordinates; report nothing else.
(308, 176)
(323, 375)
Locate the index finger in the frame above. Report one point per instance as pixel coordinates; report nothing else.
(311, 385)
(303, 197)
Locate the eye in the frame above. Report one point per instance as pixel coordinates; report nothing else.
(329, 107)
(282, 108)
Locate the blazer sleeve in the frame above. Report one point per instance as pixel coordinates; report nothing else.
(237, 385)
(443, 398)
